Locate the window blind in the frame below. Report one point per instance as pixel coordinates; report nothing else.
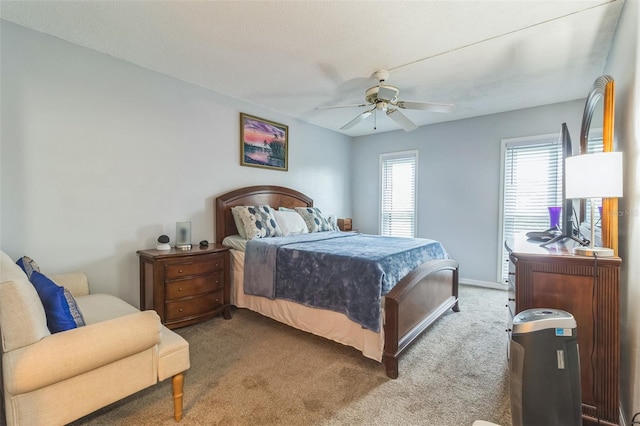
(398, 198)
(532, 183)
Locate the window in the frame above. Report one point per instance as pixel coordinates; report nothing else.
(398, 198)
(532, 182)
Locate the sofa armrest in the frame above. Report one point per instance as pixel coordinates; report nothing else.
(76, 282)
(70, 353)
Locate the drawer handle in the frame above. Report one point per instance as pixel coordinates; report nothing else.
(179, 271)
(180, 289)
(180, 309)
(512, 273)
(217, 300)
(217, 265)
(511, 299)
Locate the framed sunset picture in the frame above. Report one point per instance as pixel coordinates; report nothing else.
(263, 143)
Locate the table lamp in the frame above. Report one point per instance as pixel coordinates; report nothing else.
(592, 176)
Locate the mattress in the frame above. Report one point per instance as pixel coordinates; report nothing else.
(328, 324)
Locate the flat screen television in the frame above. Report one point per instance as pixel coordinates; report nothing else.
(566, 216)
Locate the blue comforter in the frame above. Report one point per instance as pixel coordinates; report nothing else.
(343, 272)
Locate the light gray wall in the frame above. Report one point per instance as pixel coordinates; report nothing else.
(624, 66)
(99, 157)
(458, 179)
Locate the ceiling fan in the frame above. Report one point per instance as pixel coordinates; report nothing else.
(384, 98)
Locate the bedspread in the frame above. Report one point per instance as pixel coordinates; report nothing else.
(344, 272)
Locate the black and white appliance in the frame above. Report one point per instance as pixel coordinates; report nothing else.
(545, 369)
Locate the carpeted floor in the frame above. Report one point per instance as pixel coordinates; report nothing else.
(251, 370)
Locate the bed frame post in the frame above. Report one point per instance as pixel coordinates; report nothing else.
(391, 338)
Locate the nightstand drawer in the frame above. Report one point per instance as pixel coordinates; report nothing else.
(190, 307)
(212, 264)
(193, 286)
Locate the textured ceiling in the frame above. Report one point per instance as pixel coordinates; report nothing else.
(291, 57)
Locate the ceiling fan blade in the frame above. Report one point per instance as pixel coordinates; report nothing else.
(341, 106)
(402, 120)
(426, 106)
(358, 119)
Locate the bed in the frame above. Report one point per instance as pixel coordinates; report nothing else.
(407, 310)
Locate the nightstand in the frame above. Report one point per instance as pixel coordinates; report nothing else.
(345, 224)
(185, 286)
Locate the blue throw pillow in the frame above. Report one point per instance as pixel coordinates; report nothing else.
(55, 303)
(28, 265)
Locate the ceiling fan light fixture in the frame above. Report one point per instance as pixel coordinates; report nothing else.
(381, 93)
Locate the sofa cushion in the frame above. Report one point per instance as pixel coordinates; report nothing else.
(22, 317)
(103, 307)
(173, 354)
(55, 303)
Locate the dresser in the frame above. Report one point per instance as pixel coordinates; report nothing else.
(588, 288)
(185, 286)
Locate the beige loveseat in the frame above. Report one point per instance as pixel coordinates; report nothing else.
(53, 379)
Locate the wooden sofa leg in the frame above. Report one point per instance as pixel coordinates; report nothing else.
(177, 381)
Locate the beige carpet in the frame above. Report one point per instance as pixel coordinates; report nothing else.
(251, 370)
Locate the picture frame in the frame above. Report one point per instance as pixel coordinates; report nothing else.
(263, 143)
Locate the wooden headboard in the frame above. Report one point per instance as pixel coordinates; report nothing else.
(275, 196)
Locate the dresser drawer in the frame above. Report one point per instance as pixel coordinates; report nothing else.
(211, 264)
(180, 309)
(193, 286)
(511, 302)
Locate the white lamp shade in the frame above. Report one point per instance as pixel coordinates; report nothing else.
(594, 175)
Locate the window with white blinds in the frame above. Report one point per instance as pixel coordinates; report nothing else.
(398, 198)
(532, 183)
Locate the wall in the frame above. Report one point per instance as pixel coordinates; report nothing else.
(623, 65)
(458, 179)
(99, 157)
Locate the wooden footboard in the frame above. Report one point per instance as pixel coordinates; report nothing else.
(415, 303)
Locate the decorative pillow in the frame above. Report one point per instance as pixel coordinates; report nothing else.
(258, 222)
(290, 222)
(73, 309)
(28, 265)
(314, 219)
(235, 212)
(56, 307)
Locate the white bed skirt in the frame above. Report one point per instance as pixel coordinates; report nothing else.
(328, 324)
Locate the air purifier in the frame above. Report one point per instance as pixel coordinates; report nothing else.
(545, 369)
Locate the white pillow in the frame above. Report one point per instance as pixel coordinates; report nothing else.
(235, 212)
(290, 222)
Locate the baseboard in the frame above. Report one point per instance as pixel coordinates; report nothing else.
(486, 284)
